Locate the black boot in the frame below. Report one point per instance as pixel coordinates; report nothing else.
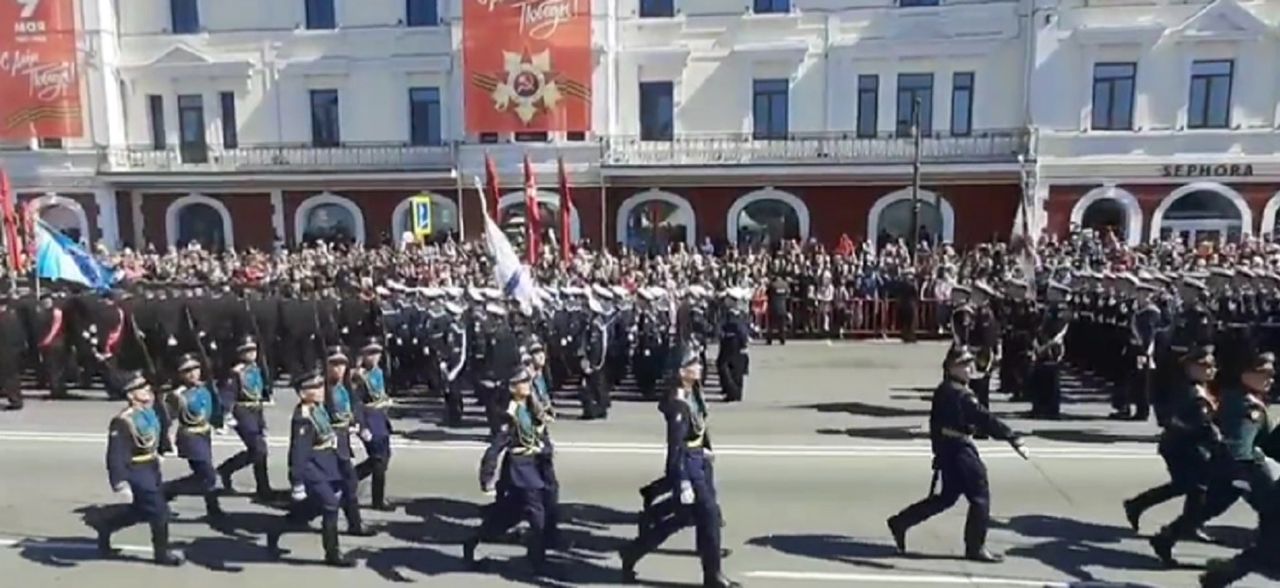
(378, 488)
(105, 528)
(899, 532)
(261, 480)
(224, 474)
(1220, 573)
(719, 580)
(355, 524)
(1132, 513)
(1162, 544)
(332, 555)
(160, 545)
(212, 509)
(469, 551)
(629, 560)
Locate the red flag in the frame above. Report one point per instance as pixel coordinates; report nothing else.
(566, 213)
(491, 186)
(532, 218)
(10, 221)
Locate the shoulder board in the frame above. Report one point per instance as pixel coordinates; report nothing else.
(512, 407)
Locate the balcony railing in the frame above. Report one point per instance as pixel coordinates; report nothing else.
(279, 159)
(692, 150)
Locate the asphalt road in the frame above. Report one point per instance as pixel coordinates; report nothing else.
(829, 443)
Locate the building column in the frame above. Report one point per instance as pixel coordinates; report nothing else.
(139, 234)
(108, 220)
(277, 220)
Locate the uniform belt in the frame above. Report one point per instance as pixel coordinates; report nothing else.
(141, 459)
(379, 404)
(526, 451)
(196, 429)
(954, 434)
(251, 403)
(694, 443)
(325, 446)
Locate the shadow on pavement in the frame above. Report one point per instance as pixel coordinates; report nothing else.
(1072, 546)
(907, 433)
(840, 548)
(1091, 436)
(864, 409)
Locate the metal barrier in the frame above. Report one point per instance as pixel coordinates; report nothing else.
(858, 318)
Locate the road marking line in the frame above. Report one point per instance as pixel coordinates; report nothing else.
(992, 451)
(904, 579)
(36, 543)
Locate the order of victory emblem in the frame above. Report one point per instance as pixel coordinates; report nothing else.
(528, 83)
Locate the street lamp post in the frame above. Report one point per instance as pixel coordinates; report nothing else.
(915, 180)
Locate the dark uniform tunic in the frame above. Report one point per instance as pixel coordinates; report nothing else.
(133, 459)
(520, 486)
(314, 464)
(196, 412)
(246, 393)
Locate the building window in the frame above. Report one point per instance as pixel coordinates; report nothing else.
(657, 8)
(424, 116)
(918, 2)
(575, 136)
(961, 104)
(769, 108)
(155, 109)
(772, 6)
(1113, 85)
(532, 137)
(321, 15)
(325, 122)
(1210, 103)
(868, 105)
(184, 16)
(230, 134)
(488, 138)
(49, 143)
(421, 13)
(657, 111)
(915, 89)
(191, 140)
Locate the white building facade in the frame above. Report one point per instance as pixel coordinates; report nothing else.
(239, 123)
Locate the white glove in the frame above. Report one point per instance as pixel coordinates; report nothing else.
(229, 422)
(489, 491)
(366, 435)
(299, 493)
(686, 493)
(1020, 449)
(124, 492)
(709, 455)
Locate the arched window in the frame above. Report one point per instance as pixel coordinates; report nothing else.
(765, 218)
(1199, 213)
(197, 218)
(511, 217)
(1110, 209)
(64, 219)
(1106, 216)
(895, 223)
(201, 223)
(329, 218)
(651, 221)
(444, 219)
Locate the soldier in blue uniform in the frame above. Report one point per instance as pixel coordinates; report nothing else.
(315, 472)
(543, 402)
(346, 415)
(520, 487)
(1189, 445)
(245, 394)
(732, 360)
(595, 348)
(195, 409)
(955, 417)
(133, 470)
(691, 476)
(370, 386)
(453, 362)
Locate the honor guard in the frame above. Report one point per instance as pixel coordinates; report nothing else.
(954, 418)
(1046, 378)
(346, 416)
(690, 478)
(520, 487)
(1189, 445)
(1245, 427)
(453, 361)
(195, 410)
(1143, 329)
(654, 342)
(595, 350)
(543, 402)
(133, 470)
(246, 393)
(315, 472)
(13, 341)
(732, 360)
(371, 387)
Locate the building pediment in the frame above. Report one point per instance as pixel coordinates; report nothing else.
(1138, 33)
(1223, 20)
(186, 61)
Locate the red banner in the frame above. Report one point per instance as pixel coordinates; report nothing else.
(9, 219)
(527, 65)
(566, 212)
(39, 75)
(532, 216)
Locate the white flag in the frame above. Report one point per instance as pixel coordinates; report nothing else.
(511, 276)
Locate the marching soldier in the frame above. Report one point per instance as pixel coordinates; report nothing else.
(955, 417)
(13, 340)
(521, 487)
(690, 474)
(732, 361)
(1046, 379)
(543, 402)
(133, 470)
(1245, 426)
(315, 472)
(595, 384)
(453, 361)
(779, 309)
(246, 392)
(346, 416)
(371, 387)
(195, 409)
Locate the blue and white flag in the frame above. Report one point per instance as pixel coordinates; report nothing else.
(58, 258)
(511, 276)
